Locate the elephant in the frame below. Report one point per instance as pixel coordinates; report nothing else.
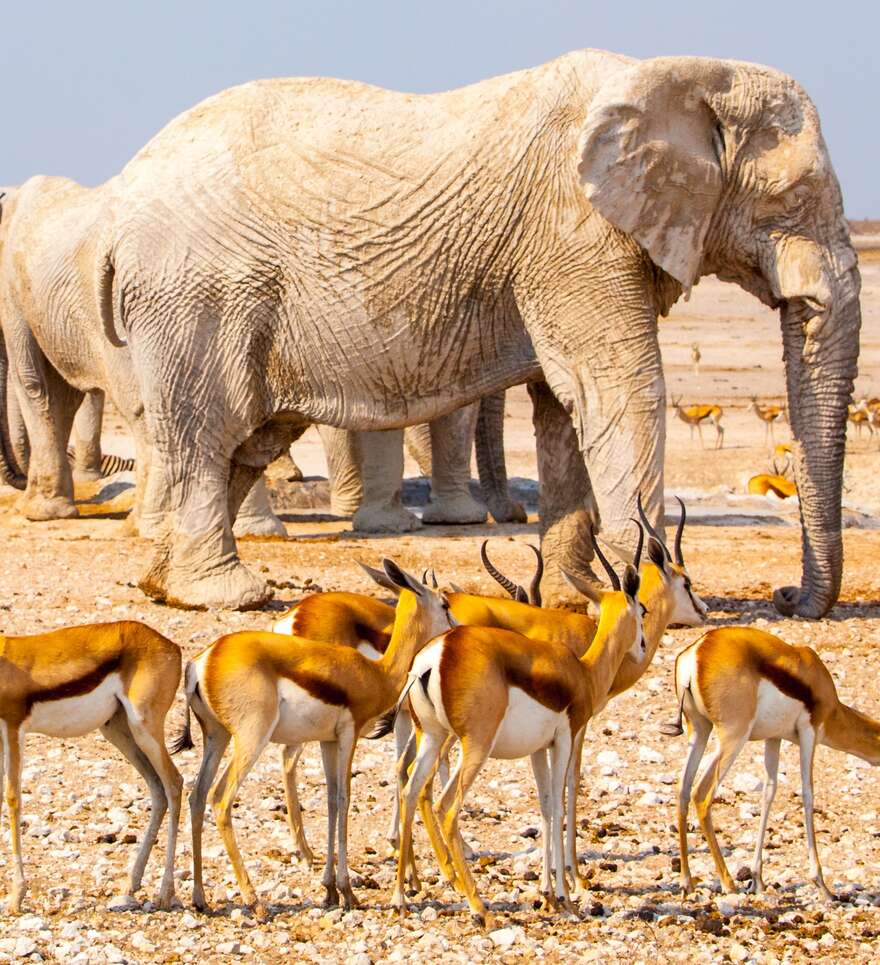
(55, 404)
(366, 470)
(298, 251)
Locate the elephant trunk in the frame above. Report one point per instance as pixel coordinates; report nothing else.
(10, 424)
(821, 354)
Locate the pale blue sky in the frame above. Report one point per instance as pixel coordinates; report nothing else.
(86, 84)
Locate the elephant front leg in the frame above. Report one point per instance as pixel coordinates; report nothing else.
(87, 437)
(381, 462)
(567, 507)
(452, 438)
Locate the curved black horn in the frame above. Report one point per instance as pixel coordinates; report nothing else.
(497, 575)
(637, 559)
(434, 582)
(425, 577)
(653, 532)
(678, 555)
(535, 585)
(612, 576)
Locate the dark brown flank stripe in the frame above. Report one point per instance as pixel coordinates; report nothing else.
(319, 687)
(788, 684)
(376, 638)
(73, 688)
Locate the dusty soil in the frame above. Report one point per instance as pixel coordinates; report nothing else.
(77, 793)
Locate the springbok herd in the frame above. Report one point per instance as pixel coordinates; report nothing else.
(459, 679)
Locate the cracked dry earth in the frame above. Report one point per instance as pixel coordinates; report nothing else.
(85, 807)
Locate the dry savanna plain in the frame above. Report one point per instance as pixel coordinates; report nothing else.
(85, 808)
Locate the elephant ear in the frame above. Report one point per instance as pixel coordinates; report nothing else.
(651, 157)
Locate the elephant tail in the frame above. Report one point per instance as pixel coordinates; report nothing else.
(106, 305)
(9, 469)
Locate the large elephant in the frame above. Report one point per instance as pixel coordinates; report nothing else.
(366, 470)
(50, 332)
(295, 251)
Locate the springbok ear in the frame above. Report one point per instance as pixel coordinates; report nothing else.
(584, 587)
(401, 579)
(378, 576)
(656, 554)
(630, 582)
(650, 156)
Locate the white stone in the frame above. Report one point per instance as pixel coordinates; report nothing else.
(504, 937)
(606, 759)
(649, 756)
(747, 783)
(140, 941)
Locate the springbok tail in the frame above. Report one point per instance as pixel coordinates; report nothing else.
(385, 724)
(676, 728)
(184, 741)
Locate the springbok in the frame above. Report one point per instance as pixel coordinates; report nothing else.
(769, 415)
(258, 687)
(119, 678)
(859, 414)
(503, 695)
(748, 685)
(365, 624)
(776, 482)
(696, 415)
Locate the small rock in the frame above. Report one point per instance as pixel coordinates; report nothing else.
(747, 783)
(229, 948)
(647, 755)
(529, 833)
(140, 941)
(24, 947)
(737, 952)
(113, 954)
(122, 903)
(608, 758)
(31, 923)
(502, 937)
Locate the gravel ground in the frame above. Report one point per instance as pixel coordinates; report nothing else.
(85, 809)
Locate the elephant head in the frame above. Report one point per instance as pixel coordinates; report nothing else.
(720, 167)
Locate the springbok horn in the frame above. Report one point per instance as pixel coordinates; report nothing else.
(497, 575)
(637, 559)
(425, 577)
(613, 578)
(535, 585)
(653, 532)
(434, 582)
(681, 521)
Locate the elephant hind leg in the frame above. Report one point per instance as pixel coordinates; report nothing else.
(452, 438)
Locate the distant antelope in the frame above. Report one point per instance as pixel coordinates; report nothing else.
(776, 482)
(859, 414)
(119, 678)
(769, 415)
(696, 415)
(749, 685)
(696, 357)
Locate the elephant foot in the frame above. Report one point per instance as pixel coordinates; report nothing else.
(392, 518)
(235, 588)
(268, 525)
(42, 508)
(86, 475)
(460, 509)
(508, 511)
